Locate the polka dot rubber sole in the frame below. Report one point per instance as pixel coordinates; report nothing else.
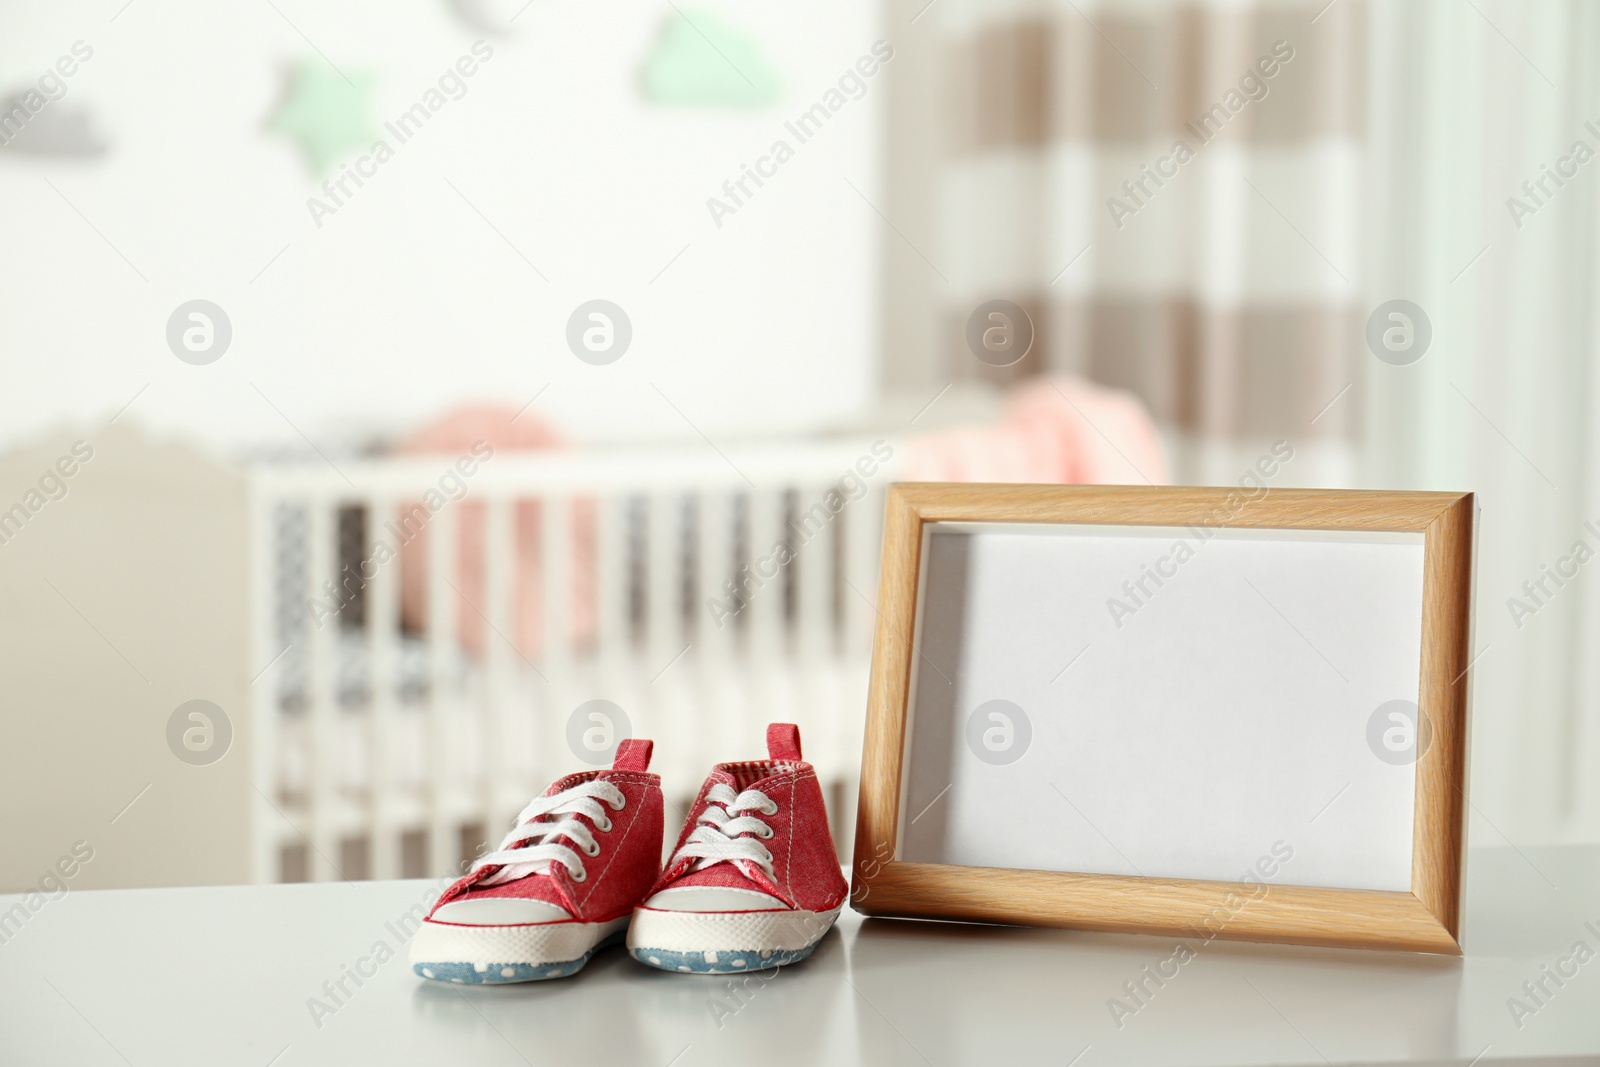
(720, 962)
(508, 973)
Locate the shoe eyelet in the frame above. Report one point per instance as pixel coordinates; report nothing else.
(592, 852)
(604, 827)
(769, 835)
(580, 875)
(619, 805)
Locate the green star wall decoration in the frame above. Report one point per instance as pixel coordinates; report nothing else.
(326, 114)
(700, 60)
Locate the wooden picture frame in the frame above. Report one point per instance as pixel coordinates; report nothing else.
(1425, 918)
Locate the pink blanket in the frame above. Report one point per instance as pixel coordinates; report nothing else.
(507, 433)
(1053, 430)
(1058, 430)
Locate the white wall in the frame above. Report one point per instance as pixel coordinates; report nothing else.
(406, 300)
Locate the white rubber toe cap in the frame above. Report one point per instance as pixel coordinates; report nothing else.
(713, 898)
(499, 911)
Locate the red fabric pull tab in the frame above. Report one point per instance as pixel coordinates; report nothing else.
(783, 741)
(633, 754)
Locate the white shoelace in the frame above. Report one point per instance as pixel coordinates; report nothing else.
(720, 833)
(539, 847)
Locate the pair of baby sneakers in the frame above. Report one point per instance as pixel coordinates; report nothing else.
(754, 881)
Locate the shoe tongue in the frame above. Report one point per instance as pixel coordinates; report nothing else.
(721, 876)
(537, 886)
(727, 875)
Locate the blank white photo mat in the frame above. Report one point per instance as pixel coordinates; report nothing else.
(1180, 703)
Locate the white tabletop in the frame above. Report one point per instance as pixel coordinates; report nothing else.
(220, 976)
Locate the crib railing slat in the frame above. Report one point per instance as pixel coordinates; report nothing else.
(500, 710)
(613, 628)
(715, 623)
(768, 683)
(557, 606)
(663, 597)
(763, 574)
(863, 523)
(811, 537)
(383, 680)
(659, 672)
(322, 698)
(448, 804)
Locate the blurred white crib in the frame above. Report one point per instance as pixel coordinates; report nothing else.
(393, 753)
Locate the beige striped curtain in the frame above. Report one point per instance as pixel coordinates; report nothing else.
(1380, 164)
(1172, 191)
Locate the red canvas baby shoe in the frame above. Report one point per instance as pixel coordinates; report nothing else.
(560, 886)
(755, 881)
